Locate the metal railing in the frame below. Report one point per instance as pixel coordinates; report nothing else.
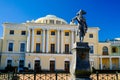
(56, 76)
(34, 76)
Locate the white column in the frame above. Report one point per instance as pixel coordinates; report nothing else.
(32, 40)
(110, 63)
(58, 41)
(28, 41)
(43, 40)
(101, 66)
(47, 41)
(62, 37)
(72, 38)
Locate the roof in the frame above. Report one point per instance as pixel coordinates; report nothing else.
(51, 19)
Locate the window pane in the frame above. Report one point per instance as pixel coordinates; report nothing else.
(52, 48)
(91, 49)
(22, 47)
(52, 66)
(23, 33)
(10, 47)
(21, 63)
(51, 21)
(9, 62)
(66, 33)
(66, 48)
(11, 32)
(52, 32)
(67, 66)
(90, 35)
(37, 47)
(38, 32)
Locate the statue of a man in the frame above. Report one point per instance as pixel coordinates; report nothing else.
(82, 24)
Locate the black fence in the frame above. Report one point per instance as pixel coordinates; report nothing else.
(55, 76)
(34, 76)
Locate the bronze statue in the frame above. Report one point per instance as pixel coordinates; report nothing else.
(82, 24)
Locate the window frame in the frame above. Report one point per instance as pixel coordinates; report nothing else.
(91, 35)
(11, 32)
(38, 32)
(91, 51)
(9, 46)
(24, 46)
(39, 48)
(52, 33)
(67, 33)
(23, 33)
(67, 48)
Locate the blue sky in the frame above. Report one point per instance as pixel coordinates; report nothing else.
(104, 14)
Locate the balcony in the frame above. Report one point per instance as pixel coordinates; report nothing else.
(115, 54)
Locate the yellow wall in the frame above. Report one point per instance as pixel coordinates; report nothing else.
(16, 38)
(1, 41)
(100, 47)
(45, 61)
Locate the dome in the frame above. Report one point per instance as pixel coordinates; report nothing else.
(51, 19)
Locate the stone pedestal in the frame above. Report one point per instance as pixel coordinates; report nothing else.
(80, 68)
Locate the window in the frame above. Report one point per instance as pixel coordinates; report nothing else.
(38, 32)
(37, 66)
(52, 32)
(67, 66)
(66, 48)
(51, 21)
(22, 47)
(52, 66)
(9, 62)
(23, 32)
(21, 63)
(90, 35)
(91, 49)
(52, 48)
(114, 50)
(66, 33)
(11, 32)
(29, 65)
(10, 46)
(37, 47)
(105, 50)
(58, 22)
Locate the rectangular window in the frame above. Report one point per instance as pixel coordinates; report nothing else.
(58, 22)
(9, 62)
(10, 47)
(38, 32)
(67, 66)
(11, 32)
(91, 49)
(52, 48)
(66, 33)
(21, 63)
(52, 32)
(66, 48)
(37, 47)
(51, 21)
(23, 32)
(37, 66)
(90, 35)
(52, 66)
(22, 47)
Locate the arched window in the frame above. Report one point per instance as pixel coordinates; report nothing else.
(105, 50)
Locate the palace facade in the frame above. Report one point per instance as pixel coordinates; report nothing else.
(46, 44)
